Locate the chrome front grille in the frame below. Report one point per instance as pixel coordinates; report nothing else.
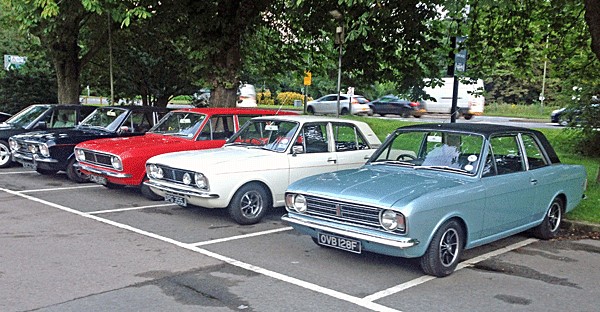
(175, 175)
(343, 211)
(99, 159)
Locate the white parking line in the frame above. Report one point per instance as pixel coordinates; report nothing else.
(288, 279)
(130, 208)
(462, 265)
(18, 172)
(59, 188)
(226, 239)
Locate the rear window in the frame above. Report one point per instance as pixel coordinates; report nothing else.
(361, 100)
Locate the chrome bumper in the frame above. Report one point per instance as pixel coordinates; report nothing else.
(386, 239)
(179, 190)
(102, 172)
(35, 158)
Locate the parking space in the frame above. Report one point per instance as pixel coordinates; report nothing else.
(73, 247)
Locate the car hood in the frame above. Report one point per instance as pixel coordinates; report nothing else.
(150, 143)
(226, 159)
(377, 185)
(64, 136)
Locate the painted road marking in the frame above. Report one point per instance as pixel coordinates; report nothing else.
(131, 208)
(226, 239)
(59, 189)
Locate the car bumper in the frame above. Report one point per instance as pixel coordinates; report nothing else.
(371, 240)
(114, 177)
(192, 195)
(34, 162)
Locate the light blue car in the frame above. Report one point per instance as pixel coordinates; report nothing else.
(432, 190)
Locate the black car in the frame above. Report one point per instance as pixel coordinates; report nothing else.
(572, 116)
(4, 116)
(391, 104)
(39, 117)
(51, 151)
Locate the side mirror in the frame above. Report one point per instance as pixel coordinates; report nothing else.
(41, 125)
(297, 149)
(123, 129)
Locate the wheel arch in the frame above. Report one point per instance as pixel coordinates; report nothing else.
(459, 220)
(264, 185)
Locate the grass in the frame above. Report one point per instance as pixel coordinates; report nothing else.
(588, 210)
(522, 111)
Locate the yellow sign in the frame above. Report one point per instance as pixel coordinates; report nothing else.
(307, 78)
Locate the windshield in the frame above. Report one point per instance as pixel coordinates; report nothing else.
(181, 124)
(27, 116)
(108, 118)
(432, 150)
(273, 135)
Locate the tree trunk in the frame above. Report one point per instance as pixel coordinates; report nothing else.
(592, 17)
(67, 77)
(223, 97)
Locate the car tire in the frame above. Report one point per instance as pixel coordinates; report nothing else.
(74, 173)
(444, 251)
(5, 160)
(551, 224)
(468, 116)
(310, 110)
(46, 171)
(344, 111)
(147, 192)
(249, 204)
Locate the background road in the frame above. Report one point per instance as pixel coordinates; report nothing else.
(82, 247)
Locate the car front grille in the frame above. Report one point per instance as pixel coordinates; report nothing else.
(175, 175)
(343, 211)
(97, 158)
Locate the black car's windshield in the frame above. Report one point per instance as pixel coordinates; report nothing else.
(181, 124)
(432, 150)
(106, 118)
(26, 117)
(273, 135)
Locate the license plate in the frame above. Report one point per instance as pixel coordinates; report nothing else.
(339, 242)
(175, 199)
(28, 165)
(97, 179)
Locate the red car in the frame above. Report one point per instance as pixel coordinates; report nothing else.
(119, 162)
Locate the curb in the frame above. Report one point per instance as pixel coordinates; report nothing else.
(580, 226)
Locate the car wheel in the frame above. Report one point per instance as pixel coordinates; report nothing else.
(344, 111)
(551, 224)
(444, 251)
(147, 192)
(563, 122)
(468, 116)
(74, 173)
(382, 115)
(46, 171)
(310, 110)
(4, 155)
(249, 204)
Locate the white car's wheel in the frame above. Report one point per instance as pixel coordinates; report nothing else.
(249, 204)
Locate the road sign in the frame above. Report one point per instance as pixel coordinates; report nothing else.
(13, 61)
(460, 58)
(307, 78)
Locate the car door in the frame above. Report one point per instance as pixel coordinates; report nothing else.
(329, 104)
(510, 188)
(217, 129)
(351, 148)
(316, 156)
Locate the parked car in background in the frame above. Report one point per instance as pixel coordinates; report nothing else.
(391, 104)
(251, 172)
(246, 96)
(4, 116)
(121, 161)
(354, 104)
(432, 190)
(572, 116)
(51, 150)
(469, 101)
(39, 117)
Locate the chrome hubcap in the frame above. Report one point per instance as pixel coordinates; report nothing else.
(449, 247)
(4, 154)
(554, 217)
(251, 204)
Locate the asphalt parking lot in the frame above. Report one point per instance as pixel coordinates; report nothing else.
(83, 247)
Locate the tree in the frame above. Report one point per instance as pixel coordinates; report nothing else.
(592, 17)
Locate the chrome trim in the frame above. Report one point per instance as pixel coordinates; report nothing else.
(35, 158)
(186, 192)
(102, 172)
(387, 239)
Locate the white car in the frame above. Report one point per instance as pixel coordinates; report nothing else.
(252, 171)
(328, 105)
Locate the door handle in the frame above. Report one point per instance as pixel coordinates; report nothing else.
(333, 160)
(534, 181)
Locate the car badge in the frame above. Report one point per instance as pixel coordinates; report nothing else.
(338, 210)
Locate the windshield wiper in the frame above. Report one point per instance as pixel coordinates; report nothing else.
(393, 162)
(443, 168)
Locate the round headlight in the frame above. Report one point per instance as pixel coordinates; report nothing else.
(187, 179)
(300, 203)
(155, 172)
(33, 149)
(201, 181)
(14, 145)
(391, 220)
(80, 155)
(116, 162)
(44, 150)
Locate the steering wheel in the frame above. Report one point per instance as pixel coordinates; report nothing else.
(404, 156)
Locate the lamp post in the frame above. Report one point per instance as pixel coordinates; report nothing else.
(339, 40)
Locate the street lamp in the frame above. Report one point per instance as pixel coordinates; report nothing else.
(339, 40)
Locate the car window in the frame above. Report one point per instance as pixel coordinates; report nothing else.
(535, 157)
(138, 122)
(243, 119)
(181, 124)
(218, 127)
(348, 138)
(62, 118)
(314, 138)
(506, 154)
(361, 100)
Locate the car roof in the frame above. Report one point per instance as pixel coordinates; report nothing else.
(234, 110)
(137, 108)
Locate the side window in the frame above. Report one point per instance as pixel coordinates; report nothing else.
(243, 119)
(506, 154)
(314, 138)
(218, 128)
(63, 118)
(348, 138)
(138, 122)
(535, 157)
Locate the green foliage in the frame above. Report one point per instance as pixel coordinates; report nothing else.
(23, 87)
(287, 98)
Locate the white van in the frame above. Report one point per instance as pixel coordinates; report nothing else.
(246, 96)
(468, 103)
